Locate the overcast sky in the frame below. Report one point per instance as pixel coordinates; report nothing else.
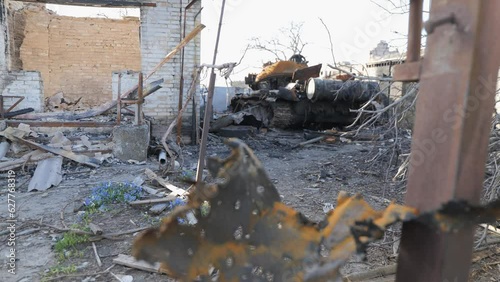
(356, 26)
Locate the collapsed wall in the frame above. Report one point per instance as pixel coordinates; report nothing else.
(15, 82)
(75, 56)
(78, 56)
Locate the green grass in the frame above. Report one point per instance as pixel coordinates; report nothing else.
(69, 241)
(59, 270)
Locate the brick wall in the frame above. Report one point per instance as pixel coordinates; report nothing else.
(16, 83)
(75, 55)
(27, 84)
(160, 33)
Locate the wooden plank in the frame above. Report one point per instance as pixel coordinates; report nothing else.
(169, 198)
(176, 190)
(130, 261)
(158, 208)
(92, 162)
(178, 48)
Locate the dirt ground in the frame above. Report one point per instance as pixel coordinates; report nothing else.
(308, 178)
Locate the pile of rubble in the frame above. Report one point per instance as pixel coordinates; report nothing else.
(21, 146)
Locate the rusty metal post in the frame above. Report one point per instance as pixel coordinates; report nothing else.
(119, 100)
(415, 31)
(181, 80)
(208, 105)
(410, 70)
(140, 99)
(1, 106)
(451, 133)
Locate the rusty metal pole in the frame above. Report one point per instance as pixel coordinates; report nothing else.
(410, 70)
(415, 31)
(208, 105)
(1, 106)
(140, 99)
(451, 133)
(119, 100)
(181, 80)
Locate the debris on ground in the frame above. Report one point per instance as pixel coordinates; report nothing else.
(248, 233)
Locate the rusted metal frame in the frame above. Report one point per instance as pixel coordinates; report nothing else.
(2, 97)
(410, 70)
(11, 122)
(21, 98)
(119, 100)
(208, 105)
(450, 140)
(95, 3)
(140, 100)
(181, 79)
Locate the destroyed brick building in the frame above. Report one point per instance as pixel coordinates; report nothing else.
(46, 54)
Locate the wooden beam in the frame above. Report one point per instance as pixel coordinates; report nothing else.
(95, 3)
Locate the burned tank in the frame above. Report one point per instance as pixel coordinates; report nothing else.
(290, 94)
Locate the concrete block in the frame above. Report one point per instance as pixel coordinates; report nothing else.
(131, 142)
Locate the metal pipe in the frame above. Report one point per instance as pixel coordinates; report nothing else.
(1, 107)
(119, 100)
(140, 100)
(208, 105)
(181, 80)
(162, 157)
(195, 135)
(415, 31)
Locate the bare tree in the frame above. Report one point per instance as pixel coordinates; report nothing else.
(289, 42)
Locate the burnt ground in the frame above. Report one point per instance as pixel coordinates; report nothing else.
(308, 178)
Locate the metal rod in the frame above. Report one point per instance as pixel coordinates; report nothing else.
(1, 106)
(119, 100)
(415, 31)
(208, 105)
(140, 100)
(21, 98)
(181, 80)
(195, 133)
(450, 137)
